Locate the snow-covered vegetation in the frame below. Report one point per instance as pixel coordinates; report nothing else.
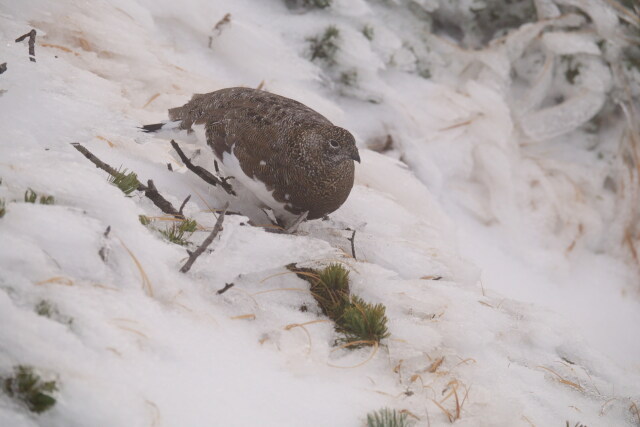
(496, 216)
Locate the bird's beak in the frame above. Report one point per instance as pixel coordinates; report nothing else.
(355, 155)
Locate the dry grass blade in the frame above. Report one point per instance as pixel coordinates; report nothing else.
(434, 365)
(371, 356)
(146, 283)
(134, 331)
(155, 420)
(604, 405)
(249, 316)
(311, 322)
(280, 289)
(57, 46)
(408, 412)
(153, 98)
(443, 409)
(466, 394)
(634, 409)
(466, 361)
(57, 279)
(102, 138)
(306, 331)
(311, 275)
(457, 125)
(562, 380)
(458, 406)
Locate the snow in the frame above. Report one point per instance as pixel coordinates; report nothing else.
(537, 308)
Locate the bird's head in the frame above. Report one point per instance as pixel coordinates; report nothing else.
(334, 145)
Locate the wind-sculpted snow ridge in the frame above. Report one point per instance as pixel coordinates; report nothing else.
(92, 297)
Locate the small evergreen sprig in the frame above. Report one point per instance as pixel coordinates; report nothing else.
(31, 196)
(331, 290)
(325, 47)
(360, 322)
(46, 308)
(28, 388)
(176, 232)
(368, 32)
(127, 182)
(3, 208)
(387, 418)
(308, 4)
(144, 220)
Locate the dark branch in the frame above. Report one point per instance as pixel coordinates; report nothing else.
(96, 161)
(207, 176)
(216, 229)
(227, 286)
(352, 239)
(3, 67)
(184, 204)
(32, 43)
(163, 204)
(149, 190)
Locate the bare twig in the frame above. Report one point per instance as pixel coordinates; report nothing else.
(96, 161)
(216, 229)
(227, 286)
(184, 204)
(150, 189)
(353, 245)
(207, 176)
(32, 43)
(163, 204)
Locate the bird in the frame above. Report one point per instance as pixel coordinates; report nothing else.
(282, 155)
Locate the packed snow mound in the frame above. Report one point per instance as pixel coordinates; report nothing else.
(132, 341)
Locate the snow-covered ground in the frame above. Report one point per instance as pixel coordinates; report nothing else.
(536, 314)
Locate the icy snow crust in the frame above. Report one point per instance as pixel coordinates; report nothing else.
(171, 352)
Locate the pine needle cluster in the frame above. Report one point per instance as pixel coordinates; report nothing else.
(308, 4)
(331, 290)
(48, 309)
(31, 196)
(368, 32)
(179, 232)
(144, 220)
(28, 388)
(127, 182)
(360, 322)
(325, 47)
(387, 418)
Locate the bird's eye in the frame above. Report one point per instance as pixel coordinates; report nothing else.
(334, 143)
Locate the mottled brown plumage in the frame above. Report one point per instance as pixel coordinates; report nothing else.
(303, 159)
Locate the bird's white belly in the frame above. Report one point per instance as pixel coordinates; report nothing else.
(254, 185)
(252, 193)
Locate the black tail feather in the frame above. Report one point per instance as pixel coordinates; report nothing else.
(152, 128)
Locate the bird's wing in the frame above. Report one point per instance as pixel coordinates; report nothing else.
(273, 107)
(258, 126)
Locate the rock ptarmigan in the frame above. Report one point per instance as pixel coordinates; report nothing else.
(287, 156)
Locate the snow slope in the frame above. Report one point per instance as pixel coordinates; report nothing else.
(148, 345)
